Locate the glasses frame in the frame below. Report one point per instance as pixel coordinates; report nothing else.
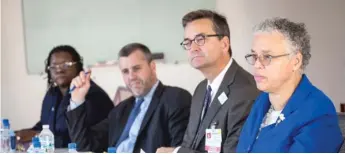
(261, 58)
(63, 66)
(194, 40)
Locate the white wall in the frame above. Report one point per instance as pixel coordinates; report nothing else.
(325, 21)
(0, 56)
(22, 94)
(104, 27)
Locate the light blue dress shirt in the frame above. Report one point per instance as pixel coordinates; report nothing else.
(128, 144)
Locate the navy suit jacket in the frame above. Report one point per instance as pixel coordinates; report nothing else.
(164, 123)
(55, 105)
(310, 124)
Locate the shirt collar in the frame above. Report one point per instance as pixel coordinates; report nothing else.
(149, 95)
(218, 80)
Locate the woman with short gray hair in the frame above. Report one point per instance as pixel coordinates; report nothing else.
(291, 114)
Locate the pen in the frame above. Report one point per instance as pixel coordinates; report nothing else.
(71, 90)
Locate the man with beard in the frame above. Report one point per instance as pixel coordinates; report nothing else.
(156, 116)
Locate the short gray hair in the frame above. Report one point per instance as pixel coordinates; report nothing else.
(295, 34)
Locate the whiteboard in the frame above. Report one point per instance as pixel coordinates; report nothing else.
(98, 29)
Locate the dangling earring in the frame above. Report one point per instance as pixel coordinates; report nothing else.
(54, 84)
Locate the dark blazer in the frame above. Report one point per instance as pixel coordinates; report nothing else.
(310, 124)
(164, 124)
(240, 88)
(55, 105)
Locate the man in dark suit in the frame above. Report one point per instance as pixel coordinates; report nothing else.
(156, 116)
(224, 99)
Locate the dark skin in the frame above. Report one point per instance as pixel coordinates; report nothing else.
(62, 77)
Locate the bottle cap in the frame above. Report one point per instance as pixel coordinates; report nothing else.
(111, 150)
(35, 139)
(72, 146)
(5, 123)
(45, 126)
(36, 144)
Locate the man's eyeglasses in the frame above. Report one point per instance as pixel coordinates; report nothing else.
(63, 66)
(263, 59)
(198, 40)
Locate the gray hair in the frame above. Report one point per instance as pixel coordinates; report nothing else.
(295, 34)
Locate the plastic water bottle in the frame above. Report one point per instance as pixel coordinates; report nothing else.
(13, 141)
(1, 133)
(111, 150)
(72, 148)
(46, 138)
(5, 136)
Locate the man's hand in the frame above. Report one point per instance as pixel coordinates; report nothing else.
(165, 150)
(82, 86)
(26, 135)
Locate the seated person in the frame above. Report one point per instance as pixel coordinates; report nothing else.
(291, 114)
(156, 116)
(62, 65)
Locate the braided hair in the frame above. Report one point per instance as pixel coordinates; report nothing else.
(63, 48)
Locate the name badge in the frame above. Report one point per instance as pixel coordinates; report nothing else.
(213, 140)
(222, 98)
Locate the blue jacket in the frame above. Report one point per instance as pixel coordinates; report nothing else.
(55, 105)
(310, 124)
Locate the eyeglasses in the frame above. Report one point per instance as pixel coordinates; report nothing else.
(198, 40)
(264, 59)
(63, 66)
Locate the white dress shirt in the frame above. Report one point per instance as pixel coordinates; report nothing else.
(215, 84)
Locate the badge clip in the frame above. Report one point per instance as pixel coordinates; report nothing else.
(214, 125)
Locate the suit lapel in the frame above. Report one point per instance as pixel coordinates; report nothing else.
(195, 113)
(51, 105)
(199, 101)
(216, 105)
(301, 92)
(152, 107)
(62, 106)
(120, 125)
(296, 100)
(254, 122)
